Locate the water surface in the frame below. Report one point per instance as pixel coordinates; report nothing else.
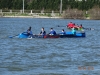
(62, 56)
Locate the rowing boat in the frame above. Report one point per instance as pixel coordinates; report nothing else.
(79, 29)
(67, 35)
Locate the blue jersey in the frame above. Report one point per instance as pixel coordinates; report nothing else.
(62, 33)
(52, 32)
(29, 32)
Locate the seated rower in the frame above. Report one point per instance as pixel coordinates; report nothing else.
(81, 26)
(70, 25)
(63, 32)
(43, 32)
(76, 27)
(29, 32)
(52, 32)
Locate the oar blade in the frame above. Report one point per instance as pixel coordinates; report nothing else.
(10, 36)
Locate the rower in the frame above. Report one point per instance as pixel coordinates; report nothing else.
(43, 32)
(52, 32)
(69, 25)
(29, 32)
(63, 32)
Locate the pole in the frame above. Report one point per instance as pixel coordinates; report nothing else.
(23, 6)
(60, 6)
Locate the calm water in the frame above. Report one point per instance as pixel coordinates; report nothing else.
(68, 56)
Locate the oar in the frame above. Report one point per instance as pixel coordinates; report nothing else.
(13, 36)
(60, 26)
(17, 35)
(88, 28)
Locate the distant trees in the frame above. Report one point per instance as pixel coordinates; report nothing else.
(49, 4)
(5, 4)
(12, 4)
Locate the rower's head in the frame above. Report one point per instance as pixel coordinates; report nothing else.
(29, 28)
(81, 25)
(51, 29)
(62, 30)
(42, 28)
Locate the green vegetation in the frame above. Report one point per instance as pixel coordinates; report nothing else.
(49, 4)
(72, 9)
(86, 15)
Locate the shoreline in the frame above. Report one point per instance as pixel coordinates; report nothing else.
(45, 17)
(41, 17)
(32, 17)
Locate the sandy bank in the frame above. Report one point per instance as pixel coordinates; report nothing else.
(31, 17)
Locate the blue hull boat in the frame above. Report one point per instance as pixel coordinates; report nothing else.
(67, 35)
(23, 35)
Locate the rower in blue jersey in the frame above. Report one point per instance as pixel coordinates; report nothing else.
(29, 32)
(43, 32)
(63, 32)
(52, 32)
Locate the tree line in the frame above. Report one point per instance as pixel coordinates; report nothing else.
(49, 4)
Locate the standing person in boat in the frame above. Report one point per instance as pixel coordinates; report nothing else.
(52, 32)
(43, 32)
(73, 31)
